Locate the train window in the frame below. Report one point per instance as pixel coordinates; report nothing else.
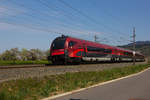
(58, 44)
(128, 53)
(72, 43)
(89, 48)
(107, 51)
(137, 55)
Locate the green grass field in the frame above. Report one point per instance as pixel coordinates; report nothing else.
(37, 88)
(3, 63)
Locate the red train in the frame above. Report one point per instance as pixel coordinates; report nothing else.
(67, 49)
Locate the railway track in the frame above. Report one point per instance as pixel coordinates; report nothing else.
(21, 66)
(43, 65)
(26, 71)
(50, 65)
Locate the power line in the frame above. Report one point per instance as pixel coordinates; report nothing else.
(62, 10)
(91, 19)
(106, 12)
(116, 18)
(50, 7)
(34, 10)
(67, 16)
(32, 16)
(28, 26)
(83, 14)
(88, 17)
(33, 28)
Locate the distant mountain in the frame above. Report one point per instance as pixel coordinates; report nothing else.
(141, 46)
(140, 43)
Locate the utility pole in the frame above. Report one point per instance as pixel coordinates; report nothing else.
(95, 38)
(134, 35)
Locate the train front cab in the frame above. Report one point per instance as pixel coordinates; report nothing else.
(65, 50)
(57, 50)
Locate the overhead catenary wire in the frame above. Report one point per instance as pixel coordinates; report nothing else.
(92, 20)
(28, 26)
(69, 16)
(46, 20)
(107, 13)
(41, 19)
(32, 16)
(33, 28)
(89, 18)
(48, 6)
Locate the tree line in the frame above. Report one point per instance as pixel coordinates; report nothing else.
(24, 54)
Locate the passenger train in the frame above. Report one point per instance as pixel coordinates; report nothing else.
(67, 49)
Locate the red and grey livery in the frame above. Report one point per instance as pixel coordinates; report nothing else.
(67, 49)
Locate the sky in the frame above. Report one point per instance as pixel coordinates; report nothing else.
(36, 23)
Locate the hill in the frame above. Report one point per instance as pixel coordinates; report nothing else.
(141, 46)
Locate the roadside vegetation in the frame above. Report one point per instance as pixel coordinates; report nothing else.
(5, 63)
(37, 88)
(15, 56)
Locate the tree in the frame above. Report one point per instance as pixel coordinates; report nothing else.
(37, 54)
(47, 53)
(12, 54)
(24, 54)
(15, 53)
(0, 56)
(7, 55)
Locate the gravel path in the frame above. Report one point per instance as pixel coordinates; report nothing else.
(9, 74)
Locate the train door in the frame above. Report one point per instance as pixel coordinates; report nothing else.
(71, 48)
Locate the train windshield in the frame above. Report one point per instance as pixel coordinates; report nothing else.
(58, 44)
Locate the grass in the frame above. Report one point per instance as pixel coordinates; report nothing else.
(37, 88)
(3, 63)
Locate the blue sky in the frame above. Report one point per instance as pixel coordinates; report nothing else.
(35, 23)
